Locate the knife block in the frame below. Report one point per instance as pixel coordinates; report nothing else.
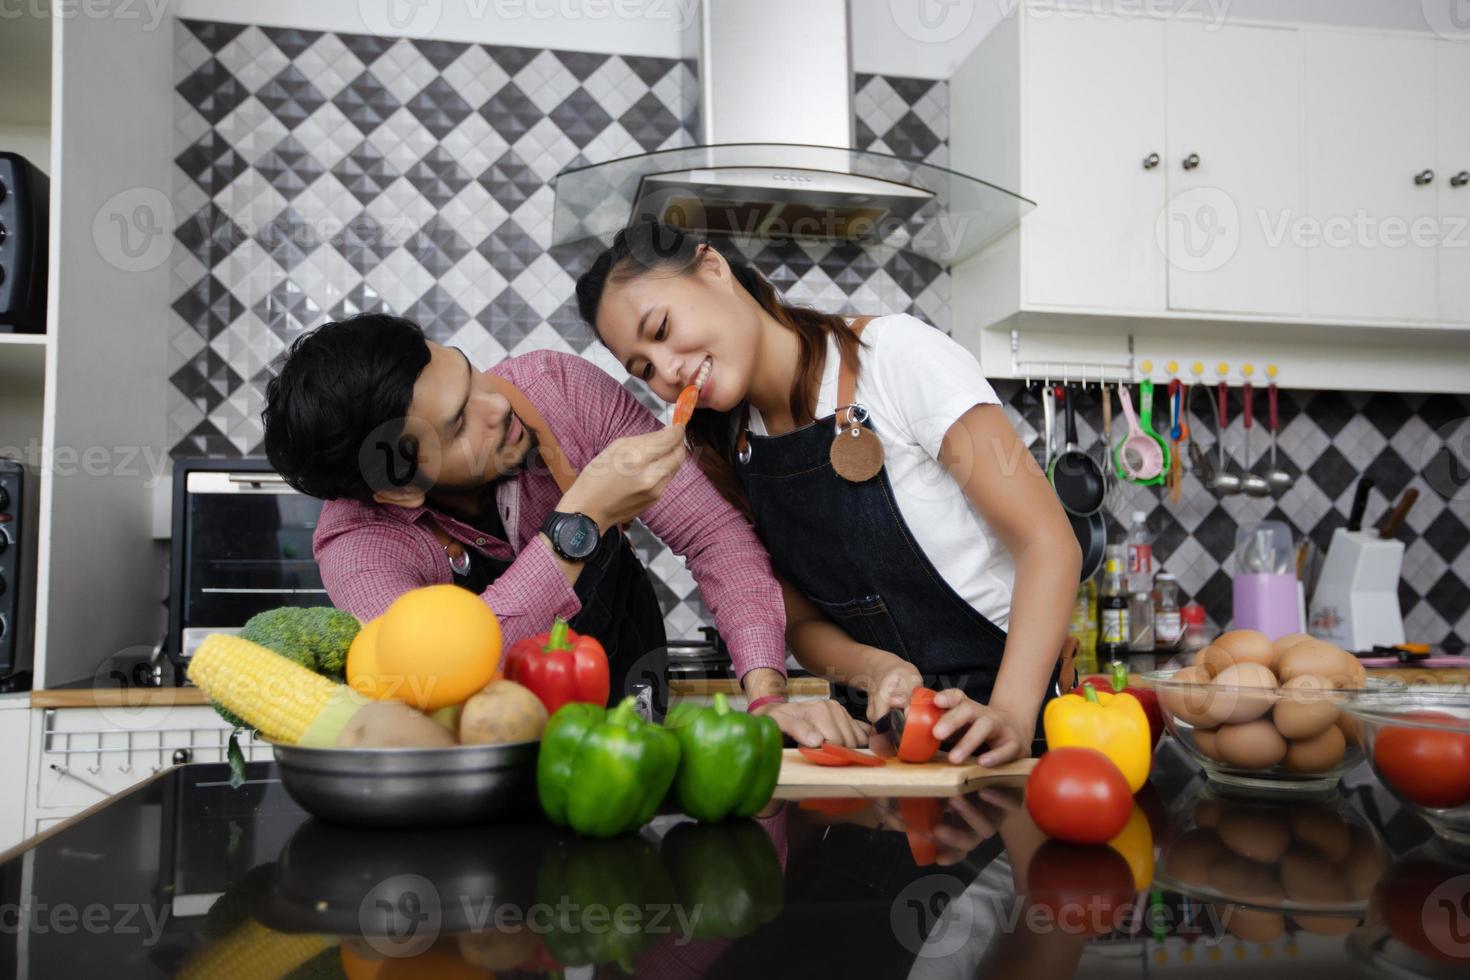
(1356, 602)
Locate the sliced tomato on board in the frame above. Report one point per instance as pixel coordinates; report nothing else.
(822, 757)
(851, 755)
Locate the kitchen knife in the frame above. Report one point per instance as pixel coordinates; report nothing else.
(1396, 516)
(1360, 504)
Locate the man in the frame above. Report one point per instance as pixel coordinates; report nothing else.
(433, 475)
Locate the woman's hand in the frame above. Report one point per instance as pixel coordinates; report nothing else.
(811, 723)
(889, 681)
(1007, 738)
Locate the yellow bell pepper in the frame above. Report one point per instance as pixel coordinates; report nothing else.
(1114, 724)
(1136, 843)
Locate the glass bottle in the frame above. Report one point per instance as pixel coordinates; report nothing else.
(1112, 608)
(1168, 626)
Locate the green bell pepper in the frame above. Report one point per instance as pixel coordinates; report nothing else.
(728, 762)
(605, 896)
(729, 872)
(603, 773)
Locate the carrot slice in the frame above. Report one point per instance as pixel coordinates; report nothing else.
(822, 757)
(684, 405)
(852, 755)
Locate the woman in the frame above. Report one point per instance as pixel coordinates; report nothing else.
(952, 565)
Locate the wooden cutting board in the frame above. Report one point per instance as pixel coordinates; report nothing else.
(801, 779)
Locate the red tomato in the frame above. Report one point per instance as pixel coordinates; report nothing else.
(918, 743)
(822, 757)
(1423, 910)
(921, 815)
(1428, 766)
(851, 755)
(1078, 795)
(1086, 890)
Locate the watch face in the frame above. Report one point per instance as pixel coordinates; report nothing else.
(577, 536)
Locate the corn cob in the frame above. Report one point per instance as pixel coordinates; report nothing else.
(253, 951)
(278, 697)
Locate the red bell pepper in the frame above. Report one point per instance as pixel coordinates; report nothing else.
(560, 666)
(918, 743)
(1117, 683)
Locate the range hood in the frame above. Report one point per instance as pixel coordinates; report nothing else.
(775, 158)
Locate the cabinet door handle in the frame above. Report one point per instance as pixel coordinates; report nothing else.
(1424, 177)
(1151, 161)
(1191, 161)
(1460, 179)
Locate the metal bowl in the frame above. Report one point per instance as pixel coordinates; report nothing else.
(411, 788)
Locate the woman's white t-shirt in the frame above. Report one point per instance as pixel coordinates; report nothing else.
(916, 382)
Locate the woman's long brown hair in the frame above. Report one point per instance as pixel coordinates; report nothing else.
(648, 247)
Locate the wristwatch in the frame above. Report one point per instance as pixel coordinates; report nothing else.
(574, 537)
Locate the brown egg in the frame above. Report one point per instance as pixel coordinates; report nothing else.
(1254, 926)
(1190, 857)
(1252, 745)
(1207, 813)
(1234, 698)
(1245, 881)
(1366, 863)
(1307, 876)
(1284, 643)
(1204, 740)
(1348, 725)
(1322, 828)
(1255, 833)
(1240, 647)
(1316, 754)
(1201, 659)
(1305, 708)
(1186, 696)
(1326, 925)
(1323, 660)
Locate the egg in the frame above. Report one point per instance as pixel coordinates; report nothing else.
(1307, 876)
(1255, 833)
(1186, 695)
(1366, 863)
(1284, 643)
(1252, 745)
(1190, 856)
(1253, 925)
(1239, 647)
(1305, 709)
(1207, 813)
(1348, 725)
(1204, 740)
(1326, 925)
(1316, 754)
(1323, 660)
(1234, 701)
(1323, 829)
(1245, 881)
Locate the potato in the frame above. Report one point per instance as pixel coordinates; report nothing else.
(503, 712)
(393, 725)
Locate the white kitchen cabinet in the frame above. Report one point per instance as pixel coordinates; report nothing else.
(1091, 242)
(15, 738)
(1234, 168)
(1369, 115)
(1452, 179)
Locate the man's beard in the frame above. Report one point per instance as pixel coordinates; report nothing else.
(509, 473)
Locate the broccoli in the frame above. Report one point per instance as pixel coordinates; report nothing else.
(316, 637)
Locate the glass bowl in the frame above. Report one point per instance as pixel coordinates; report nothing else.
(1257, 759)
(1267, 867)
(1418, 742)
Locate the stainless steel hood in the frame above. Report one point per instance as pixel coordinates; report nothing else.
(775, 161)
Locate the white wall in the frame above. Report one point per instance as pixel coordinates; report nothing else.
(930, 38)
(642, 27)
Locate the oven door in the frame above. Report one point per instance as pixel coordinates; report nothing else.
(244, 546)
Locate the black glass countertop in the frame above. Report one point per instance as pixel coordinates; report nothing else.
(186, 876)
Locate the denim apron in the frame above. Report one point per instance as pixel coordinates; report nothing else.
(846, 547)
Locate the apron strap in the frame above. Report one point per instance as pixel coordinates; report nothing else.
(847, 375)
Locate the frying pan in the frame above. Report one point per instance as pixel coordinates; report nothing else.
(1092, 535)
(1075, 475)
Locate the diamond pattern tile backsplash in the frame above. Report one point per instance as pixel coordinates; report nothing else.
(320, 174)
